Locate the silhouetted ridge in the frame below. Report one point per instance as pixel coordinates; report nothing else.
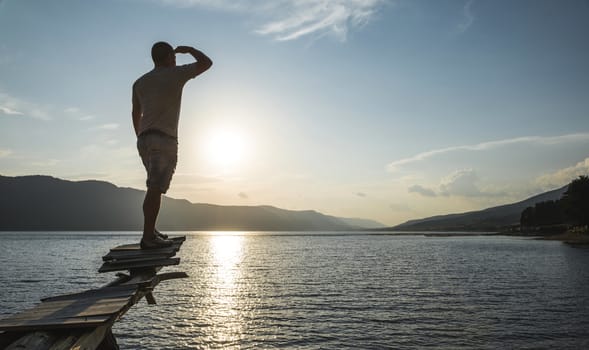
(489, 219)
(47, 203)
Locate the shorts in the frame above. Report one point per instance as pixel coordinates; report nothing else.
(159, 153)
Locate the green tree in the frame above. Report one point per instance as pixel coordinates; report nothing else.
(542, 214)
(528, 218)
(549, 213)
(576, 201)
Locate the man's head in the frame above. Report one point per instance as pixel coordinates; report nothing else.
(163, 54)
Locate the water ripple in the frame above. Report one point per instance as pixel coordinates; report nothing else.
(252, 291)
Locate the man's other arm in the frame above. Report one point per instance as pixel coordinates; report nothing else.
(203, 62)
(136, 112)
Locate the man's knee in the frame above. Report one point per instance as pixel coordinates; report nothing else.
(153, 192)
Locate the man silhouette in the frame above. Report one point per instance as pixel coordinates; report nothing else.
(156, 110)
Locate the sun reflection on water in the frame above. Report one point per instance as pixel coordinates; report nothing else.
(222, 313)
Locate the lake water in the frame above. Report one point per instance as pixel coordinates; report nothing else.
(264, 290)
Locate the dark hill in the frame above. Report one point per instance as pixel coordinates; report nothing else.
(50, 204)
(490, 219)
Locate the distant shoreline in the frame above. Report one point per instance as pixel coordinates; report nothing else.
(571, 238)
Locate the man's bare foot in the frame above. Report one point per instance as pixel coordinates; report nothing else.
(155, 243)
(161, 235)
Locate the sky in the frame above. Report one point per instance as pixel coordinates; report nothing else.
(379, 109)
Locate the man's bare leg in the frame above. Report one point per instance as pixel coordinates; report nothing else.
(151, 208)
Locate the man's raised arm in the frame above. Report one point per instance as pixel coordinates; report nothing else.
(203, 62)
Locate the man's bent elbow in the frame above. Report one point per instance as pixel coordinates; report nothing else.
(208, 64)
(203, 65)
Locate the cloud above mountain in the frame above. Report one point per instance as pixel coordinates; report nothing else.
(427, 192)
(564, 175)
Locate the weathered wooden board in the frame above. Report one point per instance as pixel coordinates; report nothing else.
(120, 266)
(45, 324)
(70, 339)
(34, 340)
(103, 293)
(138, 259)
(140, 254)
(80, 310)
(55, 310)
(135, 246)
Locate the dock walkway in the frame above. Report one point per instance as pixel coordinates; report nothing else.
(84, 320)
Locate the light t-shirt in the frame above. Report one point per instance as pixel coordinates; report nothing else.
(159, 93)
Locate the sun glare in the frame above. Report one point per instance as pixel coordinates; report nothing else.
(225, 147)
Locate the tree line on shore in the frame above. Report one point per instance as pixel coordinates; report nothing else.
(570, 211)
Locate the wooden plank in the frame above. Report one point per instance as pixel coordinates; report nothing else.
(54, 311)
(143, 281)
(90, 340)
(75, 322)
(171, 275)
(140, 259)
(66, 342)
(102, 293)
(136, 247)
(107, 266)
(152, 281)
(109, 342)
(7, 338)
(84, 309)
(69, 308)
(34, 340)
(138, 262)
(135, 254)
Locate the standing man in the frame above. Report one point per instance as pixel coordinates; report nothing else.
(156, 110)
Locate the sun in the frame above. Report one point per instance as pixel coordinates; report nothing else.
(225, 147)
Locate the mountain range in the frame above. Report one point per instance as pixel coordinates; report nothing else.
(43, 203)
(490, 219)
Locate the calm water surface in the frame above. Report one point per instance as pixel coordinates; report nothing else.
(267, 291)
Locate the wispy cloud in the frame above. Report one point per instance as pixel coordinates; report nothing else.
(46, 163)
(13, 106)
(468, 17)
(5, 152)
(77, 114)
(9, 111)
(400, 207)
(485, 146)
(334, 17)
(427, 192)
(461, 183)
(292, 19)
(72, 110)
(108, 126)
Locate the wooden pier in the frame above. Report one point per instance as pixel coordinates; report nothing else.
(84, 320)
